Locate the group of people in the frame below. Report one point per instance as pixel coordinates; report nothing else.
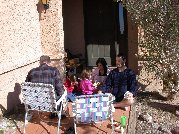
(121, 81)
(89, 82)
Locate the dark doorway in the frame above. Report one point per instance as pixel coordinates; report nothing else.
(102, 28)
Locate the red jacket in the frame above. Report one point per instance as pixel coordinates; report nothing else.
(68, 84)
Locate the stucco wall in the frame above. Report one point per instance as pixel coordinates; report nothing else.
(52, 34)
(10, 87)
(20, 45)
(20, 34)
(26, 33)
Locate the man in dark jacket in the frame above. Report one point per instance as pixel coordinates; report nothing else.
(122, 83)
(48, 75)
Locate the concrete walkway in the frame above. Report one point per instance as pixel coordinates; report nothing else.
(38, 126)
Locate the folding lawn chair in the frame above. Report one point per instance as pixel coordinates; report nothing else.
(93, 109)
(41, 97)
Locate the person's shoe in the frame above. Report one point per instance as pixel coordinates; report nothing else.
(29, 116)
(53, 115)
(71, 130)
(63, 117)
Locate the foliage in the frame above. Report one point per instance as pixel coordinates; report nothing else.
(158, 21)
(1, 131)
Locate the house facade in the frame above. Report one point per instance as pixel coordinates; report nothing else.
(27, 32)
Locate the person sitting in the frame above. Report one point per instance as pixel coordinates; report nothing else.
(47, 74)
(72, 86)
(122, 83)
(86, 84)
(100, 73)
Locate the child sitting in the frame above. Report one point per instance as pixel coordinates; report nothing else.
(72, 87)
(85, 84)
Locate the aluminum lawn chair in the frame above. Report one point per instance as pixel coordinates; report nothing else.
(41, 97)
(93, 109)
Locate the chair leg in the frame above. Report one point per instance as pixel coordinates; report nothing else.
(59, 118)
(25, 122)
(58, 129)
(112, 122)
(75, 127)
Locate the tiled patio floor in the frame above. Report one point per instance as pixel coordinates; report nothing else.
(37, 126)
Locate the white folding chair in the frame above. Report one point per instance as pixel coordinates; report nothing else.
(93, 109)
(41, 97)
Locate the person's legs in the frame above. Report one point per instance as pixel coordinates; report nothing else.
(124, 103)
(63, 114)
(71, 97)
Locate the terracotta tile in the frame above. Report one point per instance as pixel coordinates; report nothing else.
(37, 126)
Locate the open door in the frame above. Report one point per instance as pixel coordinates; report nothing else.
(99, 30)
(102, 37)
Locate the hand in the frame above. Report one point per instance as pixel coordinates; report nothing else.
(96, 84)
(74, 83)
(100, 92)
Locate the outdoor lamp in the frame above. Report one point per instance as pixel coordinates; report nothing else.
(45, 3)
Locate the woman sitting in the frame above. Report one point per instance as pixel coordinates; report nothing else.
(100, 73)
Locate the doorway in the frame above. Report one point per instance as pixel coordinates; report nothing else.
(103, 37)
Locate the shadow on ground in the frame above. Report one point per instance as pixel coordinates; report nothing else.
(162, 106)
(150, 95)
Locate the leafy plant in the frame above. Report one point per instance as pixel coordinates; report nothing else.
(1, 131)
(158, 21)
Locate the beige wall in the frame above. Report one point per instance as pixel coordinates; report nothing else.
(52, 34)
(19, 34)
(20, 45)
(26, 34)
(10, 86)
